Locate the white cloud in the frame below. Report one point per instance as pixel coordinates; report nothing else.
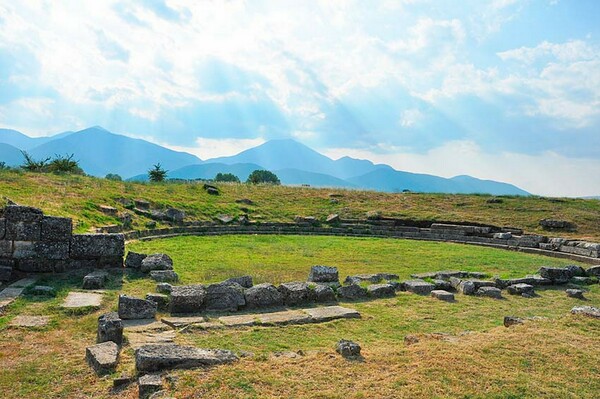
(543, 174)
(206, 148)
(410, 117)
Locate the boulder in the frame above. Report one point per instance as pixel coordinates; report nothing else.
(148, 385)
(419, 287)
(95, 280)
(574, 293)
(558, 275)
(348, 349)
(103, 357)
(466, 287)
(381, 290)
(490, 292)
(152, 358)
(324, 293)
(156, 262)
(164, 288)
(263, 296)
(110, 328)
(161, 300)
(587, 311)
(593, 271)
(133, 260)
(164, 276)
(296, 293)
(244, 281)
(511, 321)
(352, 292)
(136, 308)
(521, 289)
(443, 295)
(323, 274)
(224, 296)
(187, 298)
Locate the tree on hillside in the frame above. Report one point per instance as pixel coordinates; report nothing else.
(157, 173)
(227, 177)
(263, 176)
(113, 176)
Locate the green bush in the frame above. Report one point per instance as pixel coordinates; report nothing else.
(227, 177)
(263, 176)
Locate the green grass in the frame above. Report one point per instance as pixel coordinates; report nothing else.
(554, 357)
(79, 197)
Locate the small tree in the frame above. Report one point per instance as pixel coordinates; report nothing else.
(65, 165)
(227, 177)
(31, 165)
(157, 173)
(263, 176)
(113, 176)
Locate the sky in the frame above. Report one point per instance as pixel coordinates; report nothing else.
(506, 90)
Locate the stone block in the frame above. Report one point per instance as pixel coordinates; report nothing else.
(41, 249)
(133, 260)
(79, 300)
(103, 357)
(6, 273)
(187, 298)
(328, 313)
(381, 290)
(148, 385)
(589, 311)
(14, 213)
(584, 280)
(442, 285)
(490, 292)
(324, 293)
(6, 249)
(323, 274)
(2, 228)
(110, 328)
(164, 276)
(56, 229)
(88, 246)
(164, 288)
(296, 293)
(511, 321)
(161, 300)
(558, 275)
(263, 296)
(443, 295)
(156, 262)
(593, 271)
(521, 289)
(95, 280)
(224, 297)
(36, 265)
(352, 292)
(43, 290)
(348, 349)
(136, 308)
(574, 293)
(153, 358)
(244, 281)
(419, 287)
(23, 231)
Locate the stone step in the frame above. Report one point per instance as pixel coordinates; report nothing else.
(13, 291)
(80, 300)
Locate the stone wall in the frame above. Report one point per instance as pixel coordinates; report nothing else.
(32, 242)
(507, 238)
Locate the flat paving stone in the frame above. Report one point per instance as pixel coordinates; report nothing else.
(144, 325)
(75, 300)
(138, 339)
(180, 322)
(245, 320)
(328, 313)
(30, 321)
(13, 291)
(442, 295)
(285, 317)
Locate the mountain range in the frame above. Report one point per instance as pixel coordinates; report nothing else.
(100, 152)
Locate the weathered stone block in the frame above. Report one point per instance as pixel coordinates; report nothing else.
(148, 385)
(442, 285)
(352, 292)
(295, 293)
(2, 228)
(95, 280)
(156, 262)
(593, 271)
(558, 275)
(574, 293)
(381, 290)
(443, 295)
(490, 292)
(6, 249)
(161, 300)
(36, 265)
(187, 298)
(175, 215)
(164, 276)
(263, 296)
(56, 229)
(584, 280)
(23, 231)
(22, 213)
(348, 349)
(511, 321)
(323, 274)
(164, 288)
(136, 308)
(324, 293)
(419, 287)
(5, 273)
(244, 281)
(86, 246)
(41, 249)
(133, 260)
(224, 297)
(520, 289)
(103, 357)
(43, 290)
(151, 358)
(587, 311)
(110, 328)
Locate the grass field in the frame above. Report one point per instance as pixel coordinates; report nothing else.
(553, 357)
(79, 197)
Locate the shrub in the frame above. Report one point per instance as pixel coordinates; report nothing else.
(65, 165)
(227, 177)
(157, 173)
(263, 176)
(31, 165)
(113, 176)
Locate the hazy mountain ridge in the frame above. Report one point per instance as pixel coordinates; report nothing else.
(100, 152)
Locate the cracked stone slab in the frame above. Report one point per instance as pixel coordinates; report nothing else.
(30, 321)
(328, 313)
(180, 322)
(285, 317)
(245, 320)
(144, 325)
(77, 300)
(152, 358)
(138, 339)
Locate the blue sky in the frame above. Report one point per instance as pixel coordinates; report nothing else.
(503, 89)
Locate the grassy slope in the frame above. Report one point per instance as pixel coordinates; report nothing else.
(551, 358)
(79, 197)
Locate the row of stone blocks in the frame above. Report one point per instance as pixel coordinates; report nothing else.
(33, 242)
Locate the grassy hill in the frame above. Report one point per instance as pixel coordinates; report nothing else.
(79, 197)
